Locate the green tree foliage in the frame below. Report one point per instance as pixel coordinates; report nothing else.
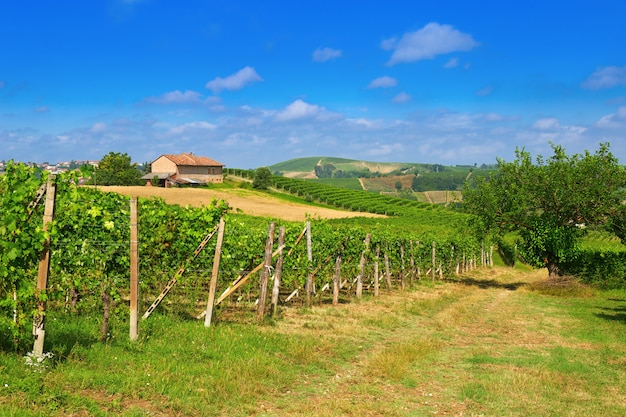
(262, 178)
(117, 169)
(550, 202)
(325, 171)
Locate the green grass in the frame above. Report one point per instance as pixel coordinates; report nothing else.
(494, 343)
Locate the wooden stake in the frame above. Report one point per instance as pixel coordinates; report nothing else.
(214, 274)
(265, 274)
(402, 274)
(278, 273)
(359, 281)
(376, 284)
(337, 280)
(434, 268)
(134, 270)
(44, 269)
(411, 265)
(387, 272)
(309, 254)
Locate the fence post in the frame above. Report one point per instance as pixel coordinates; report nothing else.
(265, 274)
(309, 255)
(337, 280)
(359, 281)
(44, 269)
(214, 274)
(376, 283)
(279, 270)
(434, 268)
(134, 271)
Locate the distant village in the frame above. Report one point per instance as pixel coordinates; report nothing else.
(55, 168)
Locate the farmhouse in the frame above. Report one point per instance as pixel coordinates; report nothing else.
(184, 169)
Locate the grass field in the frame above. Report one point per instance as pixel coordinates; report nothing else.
(495, 342)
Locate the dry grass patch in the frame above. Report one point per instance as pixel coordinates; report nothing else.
(562, 286)
(241, 200)
(394, 362)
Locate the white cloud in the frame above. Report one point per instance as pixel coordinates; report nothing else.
(191, 127)
(484, 91)
(362, 122)
(299, 110)
(402, 98)
(41, 109)
(293, 140)
(548, 123)
(236, 81)
(452, 63)
(606, 77)
(432, 40)
(494, 117)
(326, 54)
(176, 97)
(383, 82)
(615, 120)
(452, 121)
(98, 127)
(381, 149)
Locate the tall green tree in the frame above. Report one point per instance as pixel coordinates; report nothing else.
(262, 178)
(550, 202)
(117, 169)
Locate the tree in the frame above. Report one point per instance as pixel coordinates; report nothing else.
(551, 203)
(262, 178)
(116, 169)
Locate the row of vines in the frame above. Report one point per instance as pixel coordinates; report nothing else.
(90, 236)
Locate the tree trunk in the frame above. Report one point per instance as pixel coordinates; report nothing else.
(553, 268)
(106, 304)
(74, 297)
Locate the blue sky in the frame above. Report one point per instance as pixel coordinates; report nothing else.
(252, 83)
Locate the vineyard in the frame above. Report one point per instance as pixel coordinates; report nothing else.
(88, 243)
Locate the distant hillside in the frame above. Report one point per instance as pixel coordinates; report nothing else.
(329, 167)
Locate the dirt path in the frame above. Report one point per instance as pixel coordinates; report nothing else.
(436, 326)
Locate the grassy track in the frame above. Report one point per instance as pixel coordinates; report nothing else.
(494, 343)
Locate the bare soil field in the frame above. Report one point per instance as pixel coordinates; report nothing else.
(241, 200)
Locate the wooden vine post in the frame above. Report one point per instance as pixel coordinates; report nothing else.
(44, 268)
(337, 280)
(402, 273)
(309, 254)
(387, 271)
(265, 273)
(134, 271)
(376, 283)
(411, 265)
(278, 274)
(434, 259)
(359, 281)
(214, 274)
(419, 270)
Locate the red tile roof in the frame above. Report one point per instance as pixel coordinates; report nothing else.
(191, 159)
